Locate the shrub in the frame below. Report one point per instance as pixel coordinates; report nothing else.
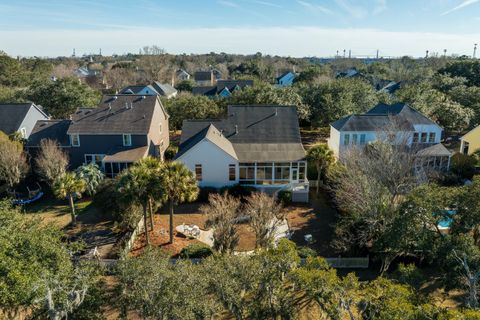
(285, 196)
(196, 250)
(205, 192)
(109, 201)
(238, 190)
(463, 165)
(305, 252)
(408, 274)
(171, 152)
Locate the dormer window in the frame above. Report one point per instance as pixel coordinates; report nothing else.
(75, 140)
(127, 140)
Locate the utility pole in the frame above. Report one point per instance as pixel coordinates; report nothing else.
(444, 53)
(350, 54)
(100, 51)
(344, 52)
(377, 53)
(475, 51)
(426, 55)
(73, 55)
(337, 55)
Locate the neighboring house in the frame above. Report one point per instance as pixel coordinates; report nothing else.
(387, 86)
(286, 79)
(84, 72)
(349, 73)
(154, 89)
(254, 145)
(417, 130)
(121, 130)
(20, 117)
(204, 78)
(182, 75)
(470, 142)
(223, 88)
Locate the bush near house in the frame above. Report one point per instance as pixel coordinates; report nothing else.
(195, 251)
(463, 165)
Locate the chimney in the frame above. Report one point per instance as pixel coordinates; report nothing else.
(236, 129)
(276, 111)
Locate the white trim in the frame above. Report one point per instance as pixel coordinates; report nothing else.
(129, 142)
(71, 140)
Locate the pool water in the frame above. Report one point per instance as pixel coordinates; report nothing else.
(447, 220)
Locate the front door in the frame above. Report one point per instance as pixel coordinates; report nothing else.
(294, 175)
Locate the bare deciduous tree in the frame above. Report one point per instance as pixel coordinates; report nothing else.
(266, 216)
(372, 184)
(221, 214)
(51, 161)
(13, 162)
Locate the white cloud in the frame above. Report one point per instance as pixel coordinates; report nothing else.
(295, 41)
(380, 6)
(315, 7)
(464, 4)
(354, 10)
(228, 4)
(266, 3)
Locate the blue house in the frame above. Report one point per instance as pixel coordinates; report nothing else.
(286, 79)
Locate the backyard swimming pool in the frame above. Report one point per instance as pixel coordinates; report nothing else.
(447, 220)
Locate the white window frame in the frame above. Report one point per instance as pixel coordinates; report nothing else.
(125, 135)
(72, 140)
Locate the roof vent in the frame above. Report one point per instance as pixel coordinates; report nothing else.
(144, 97)
(131, 105)
(276, 112)
(126, 105)
(236, 129)
(144, 116)
(115, 97)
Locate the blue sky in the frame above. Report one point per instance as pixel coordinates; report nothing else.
(283, 27)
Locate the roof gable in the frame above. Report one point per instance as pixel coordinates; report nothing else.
(12, 116)
(253, 126)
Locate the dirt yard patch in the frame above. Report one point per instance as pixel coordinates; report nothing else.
(92, 228)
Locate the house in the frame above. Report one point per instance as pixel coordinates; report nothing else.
(121, 130)
(182, 75)
(419, 133)
(254, 145)
(470, 142)
(156, 89)
(285, 79)
(223, 88)
(204, 78)
(20, 117)
(349, 73)
(84, 72)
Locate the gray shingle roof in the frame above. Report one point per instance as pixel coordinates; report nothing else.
(221, 84)
(257, 132)
(203, 76)
(12, 116)
(116, 114)
(163, 89)
(213, 135)
(49, 129)
(435, 150)
(380, 116)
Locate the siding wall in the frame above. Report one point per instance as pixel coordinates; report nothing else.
(214, 163)
(100, 144)
(32, 116)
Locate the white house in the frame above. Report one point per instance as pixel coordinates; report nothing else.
(20, 117)
(414, 128)
(154, 89)
(259, 146)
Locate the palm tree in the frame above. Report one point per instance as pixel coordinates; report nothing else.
(322, 157)
(179, 185)
(69, 185)
(92, 175)
(140, 184)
